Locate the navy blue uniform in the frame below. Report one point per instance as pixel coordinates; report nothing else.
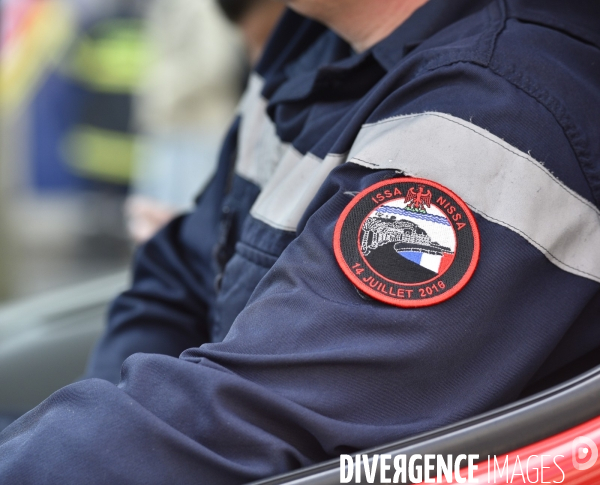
(497, 101)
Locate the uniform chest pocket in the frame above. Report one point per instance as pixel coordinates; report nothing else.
(242, 274)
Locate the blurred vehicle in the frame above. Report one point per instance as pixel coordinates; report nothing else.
(482, 437)
(562, 423)
(45, 340)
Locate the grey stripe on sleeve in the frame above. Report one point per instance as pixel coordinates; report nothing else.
(501, 183)
(260, 150)
(288, 179)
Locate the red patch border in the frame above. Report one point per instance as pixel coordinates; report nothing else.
(404, 303)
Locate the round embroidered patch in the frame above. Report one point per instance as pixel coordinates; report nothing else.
(408, 242)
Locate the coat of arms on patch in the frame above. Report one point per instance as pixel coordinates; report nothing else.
(408, 242)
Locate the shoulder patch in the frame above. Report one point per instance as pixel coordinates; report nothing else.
(408, 242)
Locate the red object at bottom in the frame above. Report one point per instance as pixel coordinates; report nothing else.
(570, 457)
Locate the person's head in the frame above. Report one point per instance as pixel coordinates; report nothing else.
(362, 23)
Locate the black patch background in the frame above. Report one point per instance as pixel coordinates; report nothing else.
(386, 261)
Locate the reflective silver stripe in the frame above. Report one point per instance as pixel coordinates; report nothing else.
(294, 184)
(288, 179)
(501, 183)
(259, 148)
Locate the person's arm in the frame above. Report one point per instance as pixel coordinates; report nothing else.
(165, 309)
(162, 312)
(311, 368)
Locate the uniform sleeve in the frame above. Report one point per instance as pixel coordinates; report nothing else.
(311, 368)
(161, 313)
(165, 310)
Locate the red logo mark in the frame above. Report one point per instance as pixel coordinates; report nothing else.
(417, 201)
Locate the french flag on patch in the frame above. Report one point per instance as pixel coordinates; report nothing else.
(433, 262)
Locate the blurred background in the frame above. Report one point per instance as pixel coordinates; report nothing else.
(101, 99)
(111, 117)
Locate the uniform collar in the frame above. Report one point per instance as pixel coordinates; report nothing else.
(330, 62)
(427, 21)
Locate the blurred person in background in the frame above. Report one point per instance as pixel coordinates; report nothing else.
(105, 64)
(69, 68)
(187, 99)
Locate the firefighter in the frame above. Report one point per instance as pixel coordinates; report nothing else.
(307, 343)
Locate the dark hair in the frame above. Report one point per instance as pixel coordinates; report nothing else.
(235, 9)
